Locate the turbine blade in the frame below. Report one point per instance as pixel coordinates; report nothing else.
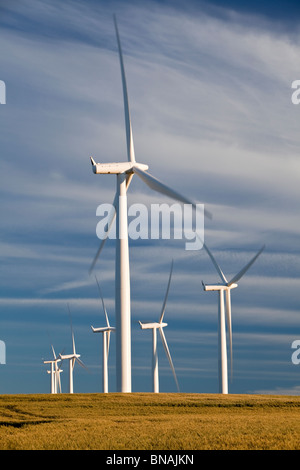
(54, 355)
(219, 270)
(72, 333)
(242, 272)
(111, 221)
(106, 316)
(166, 296)
(81, 363)
(162, 188)
(165, 344)
(97, 255)
(58, 380)
(128, 180)
(108, 342)
(229, 323)
(73, 340)
(129, 138)
(61, 354)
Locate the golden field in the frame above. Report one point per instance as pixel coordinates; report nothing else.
(144, 421)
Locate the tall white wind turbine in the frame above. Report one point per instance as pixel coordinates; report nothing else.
(226, 287)
(73, 357)
(105, 341)
(159, 326)
(124, 172)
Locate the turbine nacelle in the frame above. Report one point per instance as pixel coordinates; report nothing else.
(150, 326)
(218, 287)
(116, 168)
(103, 329)
(69, 356)
(53, 361)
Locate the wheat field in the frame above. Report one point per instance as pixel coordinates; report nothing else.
(144, 421)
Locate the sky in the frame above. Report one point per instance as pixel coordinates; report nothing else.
(210, 87)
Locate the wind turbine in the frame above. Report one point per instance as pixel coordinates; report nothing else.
(106, 339)
(72, 359)
(54, 373)
(159, 326)
(124, 172)
(52, 379)
(226, 287)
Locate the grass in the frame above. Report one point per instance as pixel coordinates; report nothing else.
(142, 421)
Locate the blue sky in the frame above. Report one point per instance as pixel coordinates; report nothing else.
(210, 95)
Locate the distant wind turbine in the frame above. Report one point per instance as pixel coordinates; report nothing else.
(52, 378)
(225, 286)
(124, 172)
(54, 372)
(106, 339)
(72, 359)
(159, 326)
